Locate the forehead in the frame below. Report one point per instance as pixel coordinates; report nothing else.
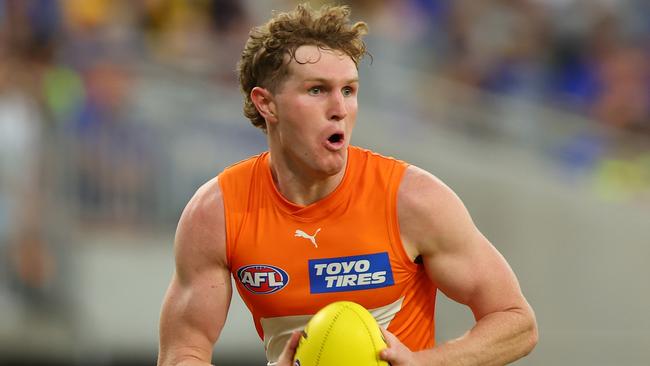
(312, 62)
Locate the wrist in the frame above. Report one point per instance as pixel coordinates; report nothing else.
(427, 357)
(419, 359)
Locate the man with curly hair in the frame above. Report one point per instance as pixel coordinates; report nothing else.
(315, 220)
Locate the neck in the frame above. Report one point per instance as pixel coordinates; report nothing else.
(300, 186)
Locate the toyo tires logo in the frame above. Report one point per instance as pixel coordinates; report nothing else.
(262, 279)
(360, 272)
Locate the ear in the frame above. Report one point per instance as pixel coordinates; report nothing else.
(263, 100)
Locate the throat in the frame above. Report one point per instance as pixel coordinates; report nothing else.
(305, 193)
(302, 189)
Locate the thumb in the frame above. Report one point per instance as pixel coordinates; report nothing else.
(385, 354)
(390, 354)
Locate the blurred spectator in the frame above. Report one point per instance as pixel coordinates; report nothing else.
(231, 23)
(624, 98)
(179, 33)
(100, 29)
(577, 51)
(228, 16)
(600, 64)
(498, 45)
(203, 36)
(113, 152)
(26, 41)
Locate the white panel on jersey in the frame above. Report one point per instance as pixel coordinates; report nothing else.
(278, 330)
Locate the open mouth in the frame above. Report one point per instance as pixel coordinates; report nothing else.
(336, 138)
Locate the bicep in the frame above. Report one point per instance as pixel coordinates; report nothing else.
(193, 315)
(474, 273)
(197, 300)
(462, 263)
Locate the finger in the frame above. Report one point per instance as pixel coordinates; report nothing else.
(286, 357)
(389, 337)
(292, 344)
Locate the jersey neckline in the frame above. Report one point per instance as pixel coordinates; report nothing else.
(314, 211)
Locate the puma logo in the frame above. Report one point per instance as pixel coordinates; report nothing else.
(301, 234)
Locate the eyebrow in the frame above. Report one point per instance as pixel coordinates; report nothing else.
(325, 81)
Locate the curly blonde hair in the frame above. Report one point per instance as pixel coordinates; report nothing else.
(263, 63)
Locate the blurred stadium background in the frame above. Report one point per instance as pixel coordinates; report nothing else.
(537, 112)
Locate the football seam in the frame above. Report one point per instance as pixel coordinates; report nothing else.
(374, 346)
(327, 333)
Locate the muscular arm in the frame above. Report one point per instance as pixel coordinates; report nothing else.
(468, 269)
(197, 300)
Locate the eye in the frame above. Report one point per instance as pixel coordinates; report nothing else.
(315, 90)
(347, 91)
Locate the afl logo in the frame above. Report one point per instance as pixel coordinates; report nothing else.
(262, 279)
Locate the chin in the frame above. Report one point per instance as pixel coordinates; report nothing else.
(332, 168)
(332, 171)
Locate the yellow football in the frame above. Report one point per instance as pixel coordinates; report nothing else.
(342, 333)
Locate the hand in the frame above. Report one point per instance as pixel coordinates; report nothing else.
(397, 354)
(286, 357)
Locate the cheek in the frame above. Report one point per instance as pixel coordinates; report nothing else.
(299, 112)
(352, 107)
(297, 123)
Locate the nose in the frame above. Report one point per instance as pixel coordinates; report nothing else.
(337, 108)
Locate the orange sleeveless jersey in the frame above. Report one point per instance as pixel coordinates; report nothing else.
(289, 261)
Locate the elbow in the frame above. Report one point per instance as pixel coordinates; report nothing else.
(534, 337)
(531, 335)
(527, 334)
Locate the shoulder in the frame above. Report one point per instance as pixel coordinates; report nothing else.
(200, 235)
(421, 191)
(375, 167)
(205, 207)
(429, 212)
(243, 167)
(357, 152)
(234, 180)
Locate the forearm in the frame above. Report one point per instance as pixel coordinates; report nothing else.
(169, 355)
(193, 363)
(496, 339)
